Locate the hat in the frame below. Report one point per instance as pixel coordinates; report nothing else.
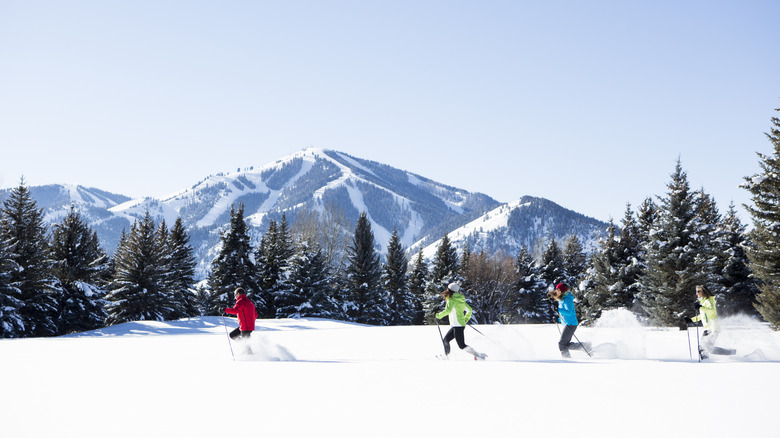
(562, 287)
(453, 287)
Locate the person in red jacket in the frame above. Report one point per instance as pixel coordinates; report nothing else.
(246, 312)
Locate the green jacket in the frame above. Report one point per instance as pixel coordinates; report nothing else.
(708, 314)
(459, 311)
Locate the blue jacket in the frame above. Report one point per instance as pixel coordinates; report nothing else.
(566, 310)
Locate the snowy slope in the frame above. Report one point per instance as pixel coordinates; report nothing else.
(327, 378)
(527, 221)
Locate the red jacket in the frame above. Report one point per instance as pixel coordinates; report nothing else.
(247, 314)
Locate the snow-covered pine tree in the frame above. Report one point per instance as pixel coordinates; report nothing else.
(531, 304)
(363, 277)
(740, 288)
(708, 237)
(764, 251)
(11, 323)
(273, 258)
(182, 268)
(233, 267)
(602, 283)
(24, 233)
(80, 264)
(575, 261)
(673, 268)
(309, 293)
(647, 215)
(416, 281)
(445, 270)
(611, 281)
(551, 271)
(138, 289)
(394, 280)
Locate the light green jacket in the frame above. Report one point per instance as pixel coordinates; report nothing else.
(708, 314)
(459, 311)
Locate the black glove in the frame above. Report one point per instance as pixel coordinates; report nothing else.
(697, 305)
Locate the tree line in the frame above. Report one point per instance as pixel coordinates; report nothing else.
(59, 280)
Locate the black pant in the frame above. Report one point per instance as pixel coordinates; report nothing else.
(565, 343)
(457, 334)
(238, 333)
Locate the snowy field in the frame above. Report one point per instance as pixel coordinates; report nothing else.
(332, 379)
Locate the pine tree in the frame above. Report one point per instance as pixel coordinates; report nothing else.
(11, 322)
(530, 298)
(575, 261)
(273, 258)
(309, 293)
(764, 251)
(673, 268)
(445, 270)
(611, 281)
(602, 279)
(416, 282)
(394, 280)
(181, 266)
(363, 277)
(138, 290)
(740, 290)
(551, 271)
(80, 265)
(24, 234)
(233, 267)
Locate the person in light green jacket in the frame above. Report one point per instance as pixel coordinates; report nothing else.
(708, 316)
(460, 313)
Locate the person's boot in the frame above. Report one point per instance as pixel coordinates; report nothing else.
(473, 352)
(565, 354)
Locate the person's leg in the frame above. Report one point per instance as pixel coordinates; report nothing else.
(235, 334)
(707, 343)
(460, 336)
(447, 339)
(565, 343)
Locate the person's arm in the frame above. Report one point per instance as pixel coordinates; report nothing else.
(446, 310)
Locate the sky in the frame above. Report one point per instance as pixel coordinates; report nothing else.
(587, 104)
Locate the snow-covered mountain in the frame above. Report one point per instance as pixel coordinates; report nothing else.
(528, 221)
(321, 180)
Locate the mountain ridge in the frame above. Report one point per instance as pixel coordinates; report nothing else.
(313, 179)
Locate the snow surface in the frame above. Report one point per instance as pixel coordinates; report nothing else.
(312, 377)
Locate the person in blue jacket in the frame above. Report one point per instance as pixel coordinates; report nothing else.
(567, 317)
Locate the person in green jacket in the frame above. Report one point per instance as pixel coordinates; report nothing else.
(459, 313)
(708, 315)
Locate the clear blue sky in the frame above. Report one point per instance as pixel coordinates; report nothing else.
(588, 104)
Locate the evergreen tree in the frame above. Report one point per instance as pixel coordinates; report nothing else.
(394, 280)
(575, 261)
(233, 267)
(363, 277)
(273, 258)
(416, 282)
(309, 294)
(530, 299)
(611, 281)
(11, 322)
(602, 278)
(764, 251)
(551, 272)
(740, 289)
(647, 215)
(138, 290)
(80, 265)
(673, 268)
(444, 271)
(181, 265)
(24, 234)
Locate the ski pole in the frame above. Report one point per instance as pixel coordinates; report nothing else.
(582, 345)
(228, 335)
(688, 331)
(488, 338)
(444, 344)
